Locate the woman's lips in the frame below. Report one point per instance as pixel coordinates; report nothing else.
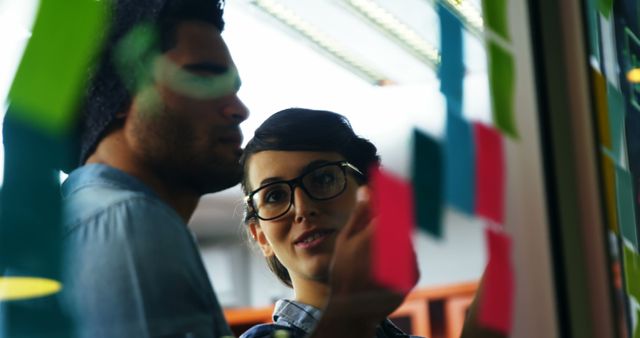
(313, 238)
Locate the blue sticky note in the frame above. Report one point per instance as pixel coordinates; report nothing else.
(426, 173)
(626, 211)
(451, 64)
(459, 158)
(616, 120)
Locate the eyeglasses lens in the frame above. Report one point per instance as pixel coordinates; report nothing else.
(320, 184)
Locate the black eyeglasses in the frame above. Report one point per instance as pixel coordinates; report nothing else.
(321, 183)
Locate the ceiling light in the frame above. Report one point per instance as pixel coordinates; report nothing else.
(326, 43)
(397, 30)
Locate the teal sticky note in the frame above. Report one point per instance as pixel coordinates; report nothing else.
(495, 17)
(593, 33)
(502, 85)
(459, 158)
(626, 211)
(451, 65)
(52, 72)
(426, 173)
(615, 102)
(31, 232)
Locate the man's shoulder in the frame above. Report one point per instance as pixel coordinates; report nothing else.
(101, 206)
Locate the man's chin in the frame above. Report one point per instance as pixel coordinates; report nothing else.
(218, 180)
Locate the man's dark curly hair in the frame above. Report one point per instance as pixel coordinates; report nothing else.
(300, 129)
(107, 92)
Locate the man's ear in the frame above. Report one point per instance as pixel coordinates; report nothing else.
(121, 114)
(259, 236)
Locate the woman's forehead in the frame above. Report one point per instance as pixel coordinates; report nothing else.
(281, 164)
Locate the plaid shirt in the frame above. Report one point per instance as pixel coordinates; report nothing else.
(298, 319)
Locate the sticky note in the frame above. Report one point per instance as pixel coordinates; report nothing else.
(609, 184)
(203, 87)
(593, 18)
(502, 84)
(602, 109)
(393, 257)
(459, 164)
(490, 173)
(495, 17)
(626, 201)
(427, 177)
(53, 70)
(451, 64)
(496, 303)
(631, 270)
(139, 62)
(616, 109)
(605, 7)
(632, 127)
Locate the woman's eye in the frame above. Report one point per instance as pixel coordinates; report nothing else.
(275, 196)
(324, 178)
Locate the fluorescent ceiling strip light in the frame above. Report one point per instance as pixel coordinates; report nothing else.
(468, 14)
(401, 33)
(289, 18)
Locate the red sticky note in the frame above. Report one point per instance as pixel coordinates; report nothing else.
(490, 173)
(496, 301)
(394, 261)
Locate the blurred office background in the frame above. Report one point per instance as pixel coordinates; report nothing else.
(285, 51)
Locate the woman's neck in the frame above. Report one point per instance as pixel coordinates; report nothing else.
(311, 292)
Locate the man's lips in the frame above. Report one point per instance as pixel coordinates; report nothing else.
(234, 139)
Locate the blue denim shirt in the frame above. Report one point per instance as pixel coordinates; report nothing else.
(299, 319)
(131, 267)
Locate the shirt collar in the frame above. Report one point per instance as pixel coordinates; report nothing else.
(288, 312)
(104, 175)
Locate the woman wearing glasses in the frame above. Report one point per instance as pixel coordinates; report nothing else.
(302, 172)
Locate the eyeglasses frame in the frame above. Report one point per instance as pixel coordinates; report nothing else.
(297, 182)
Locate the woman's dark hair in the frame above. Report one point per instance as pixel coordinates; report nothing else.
(300, 129)
(107, 92)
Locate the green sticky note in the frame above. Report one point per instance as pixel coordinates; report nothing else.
(605, 7)
(626, 211)
(134, 54)
(502, 84)
(203, 87)
(616, 106)
(631, 272)
(53, 70)
(141, 64)
(495, 17)
(428, 190)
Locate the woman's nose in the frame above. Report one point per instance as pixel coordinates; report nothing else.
(303, 205)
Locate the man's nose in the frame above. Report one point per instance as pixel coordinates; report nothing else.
(235, 110)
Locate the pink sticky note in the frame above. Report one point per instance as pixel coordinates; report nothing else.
(496, 302)
(490, 173)
(394, 261)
